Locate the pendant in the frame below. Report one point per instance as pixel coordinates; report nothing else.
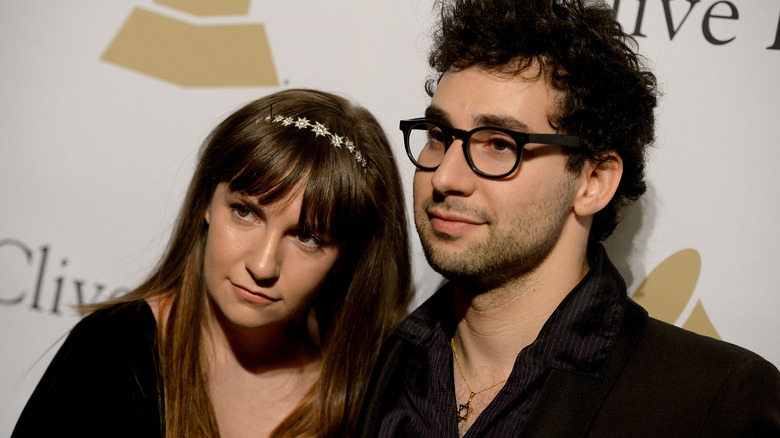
(465, 409)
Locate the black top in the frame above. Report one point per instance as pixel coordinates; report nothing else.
(613, 372)
(578, 337)
(102, 382)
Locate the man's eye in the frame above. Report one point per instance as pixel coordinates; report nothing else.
(435, 134)
(493, 142)
(502, 145)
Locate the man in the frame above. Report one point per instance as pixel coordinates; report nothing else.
(534, 335)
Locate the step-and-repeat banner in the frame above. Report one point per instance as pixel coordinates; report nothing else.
(103, 106)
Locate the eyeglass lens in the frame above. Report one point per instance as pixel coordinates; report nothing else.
(492, 152)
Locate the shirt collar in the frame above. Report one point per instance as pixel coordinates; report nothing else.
(581, 332)
(578, 336)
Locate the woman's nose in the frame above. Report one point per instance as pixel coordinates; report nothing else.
(263, 261)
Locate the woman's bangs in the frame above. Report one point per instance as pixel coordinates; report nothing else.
(333, 204)
(275, 162)
(270, 172)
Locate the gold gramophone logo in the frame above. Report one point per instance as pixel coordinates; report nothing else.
(668, 289)
(195, 55)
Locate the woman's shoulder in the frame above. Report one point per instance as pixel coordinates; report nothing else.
(110, 345)
(107, 369)
(123, 318)
(119, 331)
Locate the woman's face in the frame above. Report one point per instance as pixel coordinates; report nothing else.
(261, 269)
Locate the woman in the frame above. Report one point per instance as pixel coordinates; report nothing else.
(287, 268)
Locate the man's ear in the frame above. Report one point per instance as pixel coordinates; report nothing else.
(599, 181)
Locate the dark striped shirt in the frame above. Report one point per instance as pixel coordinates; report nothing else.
(578, 337)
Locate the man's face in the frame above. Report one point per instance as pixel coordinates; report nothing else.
(484, 232)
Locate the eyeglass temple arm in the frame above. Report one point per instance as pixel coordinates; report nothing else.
(569, 141)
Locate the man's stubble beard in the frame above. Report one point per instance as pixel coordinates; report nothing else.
(508, 253)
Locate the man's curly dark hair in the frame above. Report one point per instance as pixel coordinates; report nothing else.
(609, 95)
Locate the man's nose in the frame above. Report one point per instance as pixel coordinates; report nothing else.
(454, 175)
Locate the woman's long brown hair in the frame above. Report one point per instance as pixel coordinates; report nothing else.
(361, 208)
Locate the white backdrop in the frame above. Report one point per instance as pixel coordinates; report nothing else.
(96, 157)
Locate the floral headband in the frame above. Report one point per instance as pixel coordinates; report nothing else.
(320, 130)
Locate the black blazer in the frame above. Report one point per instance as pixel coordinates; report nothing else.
(661, 381)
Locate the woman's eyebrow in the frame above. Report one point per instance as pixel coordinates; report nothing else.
(243, 197)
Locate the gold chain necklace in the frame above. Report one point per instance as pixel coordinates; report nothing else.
(465, 409)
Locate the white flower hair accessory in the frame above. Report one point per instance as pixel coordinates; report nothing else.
(320, 130)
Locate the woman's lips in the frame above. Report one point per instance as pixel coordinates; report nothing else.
(253, 296)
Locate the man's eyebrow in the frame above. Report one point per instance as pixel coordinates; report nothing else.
(501, 122)
(437, 114)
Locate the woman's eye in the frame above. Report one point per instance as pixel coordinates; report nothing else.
(242, 211)
(308, 240)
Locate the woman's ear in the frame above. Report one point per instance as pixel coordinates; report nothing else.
(599, 182)
(207, 214)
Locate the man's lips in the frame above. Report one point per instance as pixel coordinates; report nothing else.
(252, 293)
(449, 222)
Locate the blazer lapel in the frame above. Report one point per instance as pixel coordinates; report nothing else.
(568, 403)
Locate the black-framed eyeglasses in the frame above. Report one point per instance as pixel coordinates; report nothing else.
(491, 152)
